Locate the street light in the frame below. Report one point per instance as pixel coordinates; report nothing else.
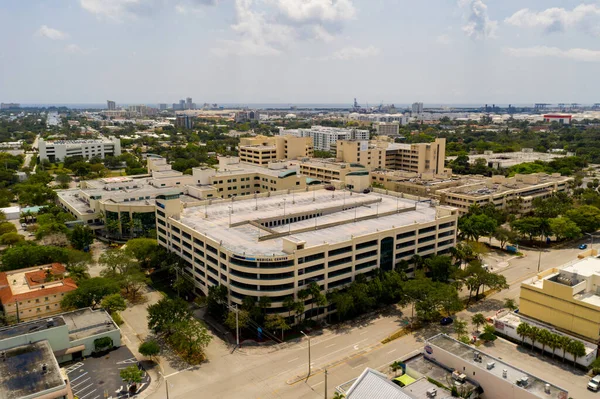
(592, 237)
(230, 211)
(303, 333)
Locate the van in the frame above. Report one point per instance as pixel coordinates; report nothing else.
(594, 383)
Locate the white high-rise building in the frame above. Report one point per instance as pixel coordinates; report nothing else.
(58, 150)
(417, 108)
(326, 137)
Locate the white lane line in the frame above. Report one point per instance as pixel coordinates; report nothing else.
(82, 389)
(341, 349)
(96, 397)
(392, 351)
(87, 394)
(75, 379)
(82, 382)
(180, 371)
(329, 346)
(360, 365)
(364, 332)
(317, 384)
(293, 360)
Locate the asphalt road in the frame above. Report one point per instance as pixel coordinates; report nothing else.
(345, 353)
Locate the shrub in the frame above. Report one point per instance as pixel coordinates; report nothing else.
(103, 343)
(117, 318)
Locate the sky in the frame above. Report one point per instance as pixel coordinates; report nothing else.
(300, 51)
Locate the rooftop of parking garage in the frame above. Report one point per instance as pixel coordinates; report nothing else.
(337, 225)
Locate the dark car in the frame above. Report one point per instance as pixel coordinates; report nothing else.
(446, 321)
(583, 246)
(329, 188)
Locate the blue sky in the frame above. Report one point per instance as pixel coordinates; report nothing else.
(300, 51)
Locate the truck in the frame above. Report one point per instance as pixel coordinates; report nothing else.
(594, 384)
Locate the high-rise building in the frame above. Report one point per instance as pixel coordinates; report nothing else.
(9, 105)
(188, 103)
(387, 128)
(324, 138)
(417, 108)
(181, 104)
(162, 107)
(261, 150)
(185, 121)
(111, 105)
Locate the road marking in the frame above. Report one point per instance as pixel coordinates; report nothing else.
(293, 360)
(364, 332)
(128, 361)
(82, 389)
(392, 351)
(74, 367)
(317, 384)
(360, 365)
(329, 346)
(341, 349)
(82, 382)
(180, 371)
(75, 379)
(87, 394)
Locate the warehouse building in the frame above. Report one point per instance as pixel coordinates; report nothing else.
(276, 245)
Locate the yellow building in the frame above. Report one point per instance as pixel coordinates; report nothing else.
(567, 298)
(327, 170)
(261, 150)
(422, 185)
(361, 152)
(35, 292)
(514, 194)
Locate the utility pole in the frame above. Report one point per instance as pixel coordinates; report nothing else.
(325, 383)
(237, 327)
(539, 259)
(17, 305)
(309, 369)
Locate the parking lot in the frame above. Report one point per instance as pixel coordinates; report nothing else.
(98, 377)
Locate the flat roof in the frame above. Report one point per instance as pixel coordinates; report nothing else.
(535, 385)
(242, 237)
(22, 374)
(86, 322)
(16, 330)
(488, 186)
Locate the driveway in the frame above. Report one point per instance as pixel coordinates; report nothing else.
(98, 377)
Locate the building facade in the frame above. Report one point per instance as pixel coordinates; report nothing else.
(417, 108)
(361, 152)
(111, 105)
(418, 158)
(566, 298)
(276, 245)
(390, 129)
(58, 150)
(324, 138)
(262, 150)
(514, 194)
(184, 121)
(34, 292)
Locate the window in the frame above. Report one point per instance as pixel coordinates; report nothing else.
(340, 251)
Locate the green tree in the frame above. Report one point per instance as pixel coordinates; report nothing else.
(474, 226)
(564, 343)
(531, 227)
(143, 250)
(586, 217)
(523, 331)
(489, 333)
(131, 376)
(242, 322)
(113, 303)
(149, 348)
(276, 322)
(317, 297)
(564, 228)
(510, 304)
(63, 179)
(89, 293)
(190, 338)
(164, 315)
(544, 338)
(440, 267)
(7, 227)
(216, 301)
(10, 239)
(478, 319)
(504, 235)
(460, 327)
(534, 333)
(554, 343)
(576, 349)
(81, 237)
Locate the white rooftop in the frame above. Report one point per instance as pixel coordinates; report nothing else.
(244, 238)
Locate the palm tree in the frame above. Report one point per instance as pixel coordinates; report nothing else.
(302, 296)
(478, 319)
(544, 338)
(564, 343)
(534, 333)
(554, 343)
(288, 303)
(395, 367)
(523, 331)
(577, 349)
(264, 302)
(338, 395)
(460, 327)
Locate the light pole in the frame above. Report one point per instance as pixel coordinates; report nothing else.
(230, 211)
(539, 259)
(592, 237)
(284, 210)
(303, 333)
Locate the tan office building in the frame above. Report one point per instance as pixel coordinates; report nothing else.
(261, 150)
(35, 292)
(423, 185)
(567, 298)
(362, 152)
(514, 194)
(276, 245)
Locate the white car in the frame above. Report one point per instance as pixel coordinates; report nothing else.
(594, 384)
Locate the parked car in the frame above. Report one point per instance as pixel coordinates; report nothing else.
(594, 384)
(583, 246)
(329, 188)
(446, 321)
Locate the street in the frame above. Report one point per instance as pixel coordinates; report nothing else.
(264, 372)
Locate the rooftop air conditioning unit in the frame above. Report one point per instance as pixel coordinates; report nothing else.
(491, 365)
(431, 393)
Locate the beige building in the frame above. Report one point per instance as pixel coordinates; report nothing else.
(515, 194)
(383, 153)
(35, 292)
(275, 245)
(390, 129)
(326, 170)
(497, 378)
(422, 185)
(262, 150)
(567, 298)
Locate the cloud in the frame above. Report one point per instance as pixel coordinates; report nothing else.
(316, 11)
(352, 53)
(117, 10)
(194, 6)
(50, 33)
(257, 35)
(478, 25)
(577, 54)
(585, 17)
